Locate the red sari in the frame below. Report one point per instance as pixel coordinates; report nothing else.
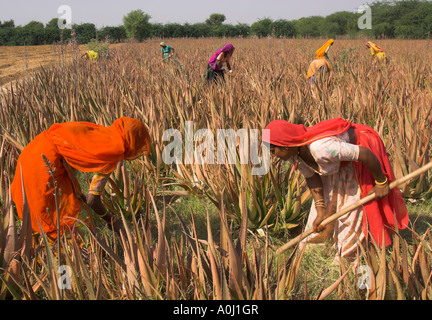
(382, 216)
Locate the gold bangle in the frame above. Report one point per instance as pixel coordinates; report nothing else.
(320, 204)
(381, 183)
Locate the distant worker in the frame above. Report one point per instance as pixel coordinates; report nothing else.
(91, 55)
(377, 53)
(320, 64)
(215, 69)
(167, 51)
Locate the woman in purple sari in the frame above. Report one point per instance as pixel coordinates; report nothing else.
(215, 70)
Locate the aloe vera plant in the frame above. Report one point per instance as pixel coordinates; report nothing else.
(233, 261)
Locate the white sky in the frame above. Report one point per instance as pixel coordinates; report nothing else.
(110, 13)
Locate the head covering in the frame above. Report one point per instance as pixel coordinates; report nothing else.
(377, 52)
(93, 148)
(284, 134)
(162, 44)
(226, 48)
(374, 48)
(135, 136)
(324, 49)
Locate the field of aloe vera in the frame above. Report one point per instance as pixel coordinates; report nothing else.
(211, 231)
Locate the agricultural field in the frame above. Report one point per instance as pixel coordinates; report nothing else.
(17, 62)
(207, 231)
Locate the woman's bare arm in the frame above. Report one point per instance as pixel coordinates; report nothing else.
(95, 202)
(369, 159)
(316, 187)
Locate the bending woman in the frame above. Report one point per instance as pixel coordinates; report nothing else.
(71, 146)
(167, 51)
(342, 163)
(215, 70)
(377, 53)
(320, 65)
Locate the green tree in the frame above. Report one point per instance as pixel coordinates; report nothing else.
(7, 24)
(309, 27)
(199, 30)
(34, 25)
(242, 30)
(415, 24)
(173, 30)
(216, 20)
(137, 25)
(52, 35)
(339, 23)
(85, 32)
(262, 28)
(53, 23)
(284, 28)
(114, 34)
(7, 36)
(383, 30)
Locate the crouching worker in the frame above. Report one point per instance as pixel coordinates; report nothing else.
(90, 55)
(342, 162)
(320, 64)
(215, 70)
(68, 147)
(167, 51)
(377, 53)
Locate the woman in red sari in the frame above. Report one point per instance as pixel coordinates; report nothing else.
(342, 163)
(71, 146)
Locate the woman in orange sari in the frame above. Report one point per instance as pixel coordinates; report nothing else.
(342, 163)
(71, 146)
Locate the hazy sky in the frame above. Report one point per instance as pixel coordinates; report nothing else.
(110, 12)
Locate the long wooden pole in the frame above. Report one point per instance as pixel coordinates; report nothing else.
(352, 207)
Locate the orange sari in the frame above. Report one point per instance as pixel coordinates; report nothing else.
(84, 146)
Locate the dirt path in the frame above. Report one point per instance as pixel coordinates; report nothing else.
(17, 62)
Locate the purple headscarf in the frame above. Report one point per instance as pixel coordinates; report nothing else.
(226, 48)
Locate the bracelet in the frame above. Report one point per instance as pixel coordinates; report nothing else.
(320, 204)
(381, 183)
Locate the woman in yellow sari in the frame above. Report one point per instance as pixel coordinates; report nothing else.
(90, 55)
(377, 52)
(320, 64)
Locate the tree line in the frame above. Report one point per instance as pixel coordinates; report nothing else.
(410, 19)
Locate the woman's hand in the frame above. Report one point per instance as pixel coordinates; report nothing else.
(316, 225)
(95, 202)
(316, 187)
(115, 225)
(381, 191)
(370, 160)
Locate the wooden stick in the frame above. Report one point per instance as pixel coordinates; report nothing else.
(352, 207)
